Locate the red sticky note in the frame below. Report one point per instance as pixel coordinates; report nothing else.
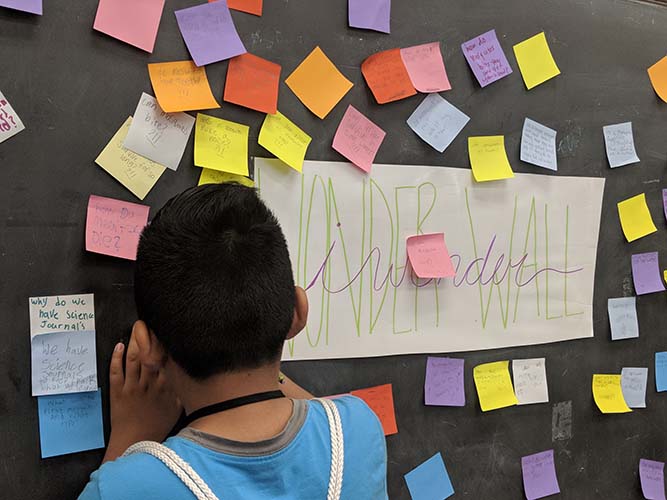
(132, 21)
(387, 76)
(426, 67)
(358, 139)
(249, 6)
(381, 400)
(253, 82)
(113, 226)
(429, 256)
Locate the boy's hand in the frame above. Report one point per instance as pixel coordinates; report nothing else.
(143, 407)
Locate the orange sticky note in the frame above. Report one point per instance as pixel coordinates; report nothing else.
(318, 84)
(658, 75)
(381, 400)
(249, 6)
(253, 82)
(181, 86)
(387, 76)
(429, 257)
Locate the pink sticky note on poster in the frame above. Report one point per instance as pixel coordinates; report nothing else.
(358, 139)
(429, 256)
(132, 21)
(113, 226)
(426, 67)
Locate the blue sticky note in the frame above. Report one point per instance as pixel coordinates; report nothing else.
(623, 318)
(69, 423)
(437, 122)
(538, 145)
(633, 385)
(661, 371)
(430, 480)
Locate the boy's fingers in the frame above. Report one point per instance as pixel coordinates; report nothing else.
(132, 363)
(116, 378)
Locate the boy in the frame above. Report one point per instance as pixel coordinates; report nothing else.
(216, 301)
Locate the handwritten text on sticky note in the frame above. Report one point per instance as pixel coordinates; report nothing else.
(61, 313)
(633, 385)
(539, 475)
(221, 145)
(646, 273)
(426, 67)
(494, 386)
(284, 139)
(444, 384)
(620, 144)
(623, 318)
(381, 400)
(488, 158)
(486, 58)
(608, 394)
(437, 121)
(429, 256)
(530, 381)
(10, 123)
(387, 77)
(181, 86)
(661, 371)
(538, 145)
(652, 478)
(358, 139)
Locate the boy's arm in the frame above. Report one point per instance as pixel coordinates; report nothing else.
(292, 390)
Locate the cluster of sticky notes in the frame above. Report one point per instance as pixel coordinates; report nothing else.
(620, 144)
(652, 479)
(280, 136)
(30, 6)
(539, 475)
(429, 257)
(623, 320)
(486, 58)
(530, 381)
(358, 139)
(221, 145)
(181, 86)
(535, 61)
(369, 14)
(488, 158)
(10, 123)
(430, 480)
(538, 145)
(646, 273)
(620, 393)
(608, 393)
(661, 371)
(380, 399)
(494, 386)
(130, 21)
(437, 122)
(635, 217)
(445, 384)
(253, 82)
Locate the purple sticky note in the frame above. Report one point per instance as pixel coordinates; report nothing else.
(444, 382)
(369, 14)
(664, 202)
(209, 32)
(539, 475)
(31, 6)
(646, 273)
(486, 58)
(652, 477)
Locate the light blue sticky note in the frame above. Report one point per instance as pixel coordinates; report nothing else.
(538, 145)
(623, 318)
(437, 122)
(633, 385)
(63, 362)
(430, 480)
(620, 144)
(70, 422)
(661, 371)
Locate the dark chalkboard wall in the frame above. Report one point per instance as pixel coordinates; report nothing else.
(74, 87)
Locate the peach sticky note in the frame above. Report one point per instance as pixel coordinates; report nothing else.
(426, 67)
(635, 217)
(132, 21)
(387, 77)
(284, 139)
(494, 385)
(318, 83)
(658, 75)
(429, 257)
(488, 158)
(249, 6)
(210, 176)
(253, 82)
(358, 139)
(535, 61)
(608, 394)
(221, 145)
(113, 226)
(381, 400)
(181, 86)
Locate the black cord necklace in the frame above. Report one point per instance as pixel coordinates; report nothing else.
(230, 404)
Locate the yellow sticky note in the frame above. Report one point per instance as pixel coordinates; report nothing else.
(488, 158)
(494, 385)
(221, 145)
(181, 86)
(664, 276)
(284, 139)
(635, 217)
(318, 83)
(136, 173)
(535, 61)
(608, 394)
(209, 176)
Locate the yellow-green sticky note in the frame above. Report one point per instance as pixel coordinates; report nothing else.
(635, 217)
(210, 176)
(535, 61)
(221, 145)
(494, 385)
(488, 158)
(608, 394)
(284, 139)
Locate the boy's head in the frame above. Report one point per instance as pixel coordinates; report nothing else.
(214, 282)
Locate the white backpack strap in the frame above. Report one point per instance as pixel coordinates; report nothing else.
(337, 449)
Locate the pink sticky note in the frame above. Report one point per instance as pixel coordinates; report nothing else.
(429, 256)
(358, 139)
(113, 226)
(131, 21)
(426, 67)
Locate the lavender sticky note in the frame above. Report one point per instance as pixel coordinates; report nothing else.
(486, 58)
(369, 14)
(652, 478)
(633, 385)
(664, 202)
(430, 481)
(539, 475)
(444, 382)
(661, 371)
(30, 6)
(209, 32)
(646, 273)
(623, 318)
(437, 122)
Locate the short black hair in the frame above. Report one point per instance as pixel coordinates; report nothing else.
(213, 280)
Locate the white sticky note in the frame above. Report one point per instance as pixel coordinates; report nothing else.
(538, 145)
(623, 318)
(437, 122)
(620, 144)
(62, 313)
(530, 381)
(633, 385)
(10, 123)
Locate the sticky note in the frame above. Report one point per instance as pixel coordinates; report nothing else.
(530, 381)
(636, 220)
(284, 139)
(658, 76)
(444, 384)
(430, 481)
(130, 21)
(253, 82)
(381, 400)
(623, 318)
(221, 145)
(61, 313)
(181, 86)
(620, 144)
(250, 6)
(10, 123)
(664, 202)
(429, 257)
(633, 386)
(661, 371)
(358, 139)
(210, 176)
(494, 386)
(113, 226)
(70, 423)
(426, 67)
(539, 475)
(209, 32)
(369, 14)
(318, 84)
(608, 394)
(486, 58)
(646, 273)
(387, 77)
(437, 122)
(652, 479)
(538, 145)
(30, 6)
(488, 158)
(156, 135)
(535, 61)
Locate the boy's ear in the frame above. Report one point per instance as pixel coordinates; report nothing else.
(300, 313)
(151, 352)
